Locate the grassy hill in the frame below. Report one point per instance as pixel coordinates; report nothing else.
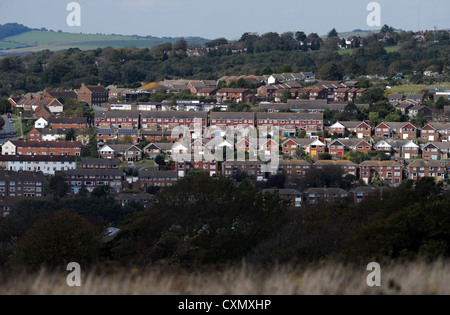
(37, 40)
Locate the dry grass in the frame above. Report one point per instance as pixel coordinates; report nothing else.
(330, 279)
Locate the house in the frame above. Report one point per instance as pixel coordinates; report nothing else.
(415, 97)
(47, 164)
(41, 123)
(225, 120)
(234, 95)
(347, 128)
(290, 168)
(31, 103)
(435, 131)
(169, 120)
(21, 184)
(34, 135)
(25, 147)
(318, 94)
(291, 123)
(128, 134)
(391, 147)
(152, 150)
(361, 192)
(426, 112)
(115, 119)
(403, 130)
(426, 168)
(436, 150)
(147, 179)
(93, 178)
(384, 170)
(338, 147)
(294, 197)
(99, 164)
(42, 112)
(318, 195)
(106, 152)
(254, 169)
(105, 135)
(410, 150)
(395, 98)
(405, 106)
(125, 152)
(93, 95)
(348, 167)
(207, 92)
(291, 145)
(341, 95)
(266, 91)
(185, 163)
(143, 199)
(48, 134)
(159, 136)
(68, 122)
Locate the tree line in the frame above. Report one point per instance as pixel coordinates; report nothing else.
(207, 221)
(264, 53)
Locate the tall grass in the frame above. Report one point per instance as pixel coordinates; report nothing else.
(418, 278)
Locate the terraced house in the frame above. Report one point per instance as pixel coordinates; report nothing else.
(384, 170)
(24, 147)
(426, 168)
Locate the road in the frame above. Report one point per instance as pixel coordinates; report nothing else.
(8, 131)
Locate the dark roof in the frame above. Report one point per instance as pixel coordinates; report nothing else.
(232, 115)
(96, 88)
(38, 158)
(40, 144)
(174, 114)
(99, 161)
(21, 176)
(128, 131)
(158, 174)
(67, 120)
(100, 172)
(117, 114)
(294, 116)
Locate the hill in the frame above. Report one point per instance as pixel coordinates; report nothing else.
(17, 41)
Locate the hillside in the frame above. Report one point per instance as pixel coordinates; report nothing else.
(38, 40)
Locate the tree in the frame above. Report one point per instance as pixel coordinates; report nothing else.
(180, 44)
(441, 102)
(331, 71)
(332, 33)
(58, 186)
(201, 220)
(160, 160)
(70, 135)
(58, 240)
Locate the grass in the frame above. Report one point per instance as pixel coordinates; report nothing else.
(350, 51)
(40, 40)
(417, 88)
(415, 278)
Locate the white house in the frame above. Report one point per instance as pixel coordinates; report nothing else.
(9, 148)
(40, 123)
(47, 164)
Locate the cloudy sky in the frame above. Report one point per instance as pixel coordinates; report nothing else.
(224, 18)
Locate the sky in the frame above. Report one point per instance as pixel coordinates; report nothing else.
(226, 18)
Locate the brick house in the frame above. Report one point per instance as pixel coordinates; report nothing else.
(435, 131)
(292, 168)
(318, 195)
(348, 167)
(410, 150)
(403, 130)
(290, 146)
(34, 135)
(126, 152)
(68, 122)
(92, 178)
(148, 179)
(132, 134)
(21, 184)
(161, 120)
(426, 168)
(341, 95)
(253, 169)
(93, 95)
(291, 122)
(158, 136)
(185, 163)
(24, 147)
(152, 150)
(99, 164)
(318, 94)
(385, 170)
(231, 119)
(105, 135)
(294, 197)
(116, 119)
(391, 147)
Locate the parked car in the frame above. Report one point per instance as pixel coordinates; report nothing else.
(9, 115)
(11, 121)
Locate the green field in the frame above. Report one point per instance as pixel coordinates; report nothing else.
(389, 49)
(39, 40)
(417, 88)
